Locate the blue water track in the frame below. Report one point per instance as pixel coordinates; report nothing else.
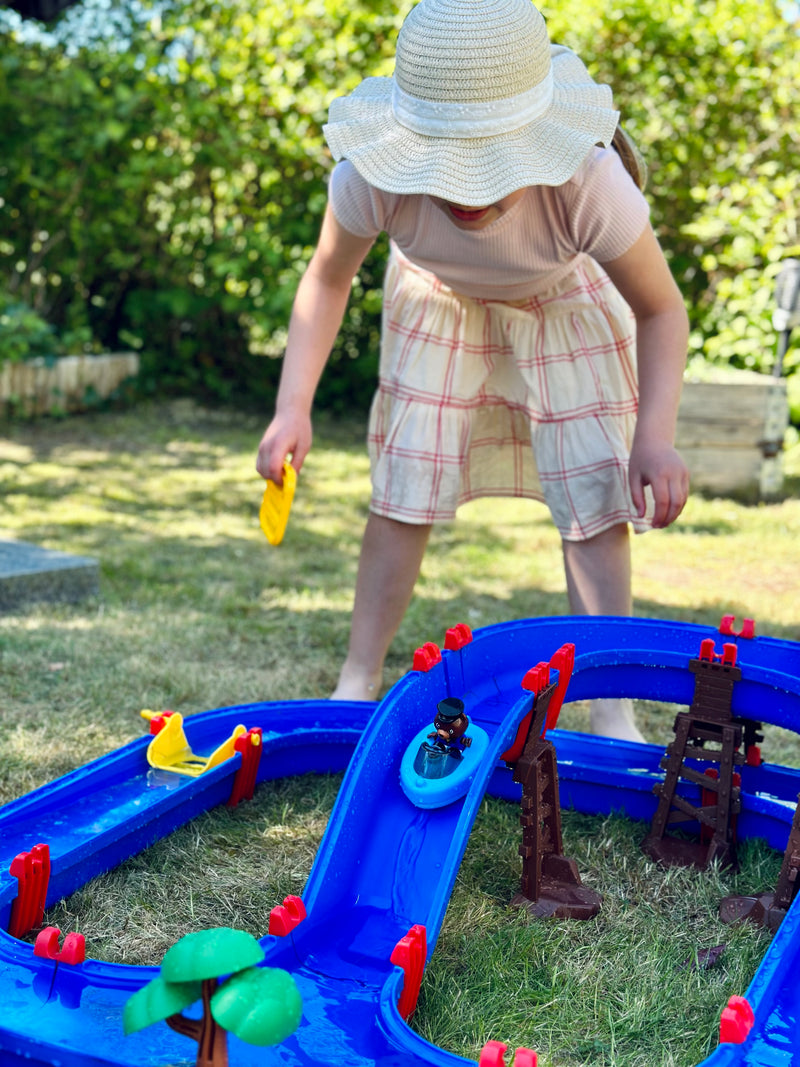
(384, 864)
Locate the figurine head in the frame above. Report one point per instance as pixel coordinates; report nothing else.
(450, 721)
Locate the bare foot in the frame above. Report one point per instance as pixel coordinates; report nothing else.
(614, 717)
(355, 684)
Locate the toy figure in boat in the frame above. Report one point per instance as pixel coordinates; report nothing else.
(440, 753)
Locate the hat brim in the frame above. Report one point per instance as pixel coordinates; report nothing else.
(474, 171)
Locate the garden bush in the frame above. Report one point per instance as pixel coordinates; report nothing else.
(23, 333)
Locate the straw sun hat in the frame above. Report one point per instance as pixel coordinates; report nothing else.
(480, 105)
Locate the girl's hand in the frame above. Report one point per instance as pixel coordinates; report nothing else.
(289, 434)
(660, 466)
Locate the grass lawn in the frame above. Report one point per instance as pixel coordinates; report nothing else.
(197, 611)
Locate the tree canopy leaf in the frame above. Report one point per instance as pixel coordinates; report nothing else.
(157, 1001)
(261, 1006)
(210, 954)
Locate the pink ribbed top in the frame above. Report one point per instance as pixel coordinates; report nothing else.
(598, 212)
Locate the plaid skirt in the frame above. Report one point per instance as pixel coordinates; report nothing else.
(477, 398)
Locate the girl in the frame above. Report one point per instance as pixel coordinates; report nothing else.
(525, 290)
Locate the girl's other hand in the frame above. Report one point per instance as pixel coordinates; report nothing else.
(662, 468)
(289, 434)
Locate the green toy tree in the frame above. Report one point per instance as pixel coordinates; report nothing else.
(260, 1005)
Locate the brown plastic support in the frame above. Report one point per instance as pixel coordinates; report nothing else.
(709, 733)
(769, 909)
(550, 884)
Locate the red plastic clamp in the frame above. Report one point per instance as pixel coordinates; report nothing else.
(534, 681)
(47, 946)
(284, 917)
(410, 953)
(748, 629)
(708, 652)
(158, 722)
(32, 871)
(426, 657)
(250, 746)
(457, 636)
(562, 660)
(736, 1021)
(537, 678)
(493, 1053)
(524, 1057)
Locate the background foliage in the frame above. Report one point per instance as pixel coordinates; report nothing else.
(161, 187)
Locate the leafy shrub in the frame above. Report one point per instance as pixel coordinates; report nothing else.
(23, 334)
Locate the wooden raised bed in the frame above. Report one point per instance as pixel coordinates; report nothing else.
(730, 433)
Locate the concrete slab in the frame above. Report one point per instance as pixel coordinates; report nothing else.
(30, 574)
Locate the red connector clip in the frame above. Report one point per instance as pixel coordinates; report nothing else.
(426, 657)
(708, 653)
(250, 746)
(562, 660)
(284, 917)
(537, 678)
(736, 1021)
(32, 871)
(748, 629)
(457, 636)
(47, 946)
(410, 953)
(493, 1055)
(158, 721)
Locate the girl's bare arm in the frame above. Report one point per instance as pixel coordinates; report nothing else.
(317, 313)
(662, 331)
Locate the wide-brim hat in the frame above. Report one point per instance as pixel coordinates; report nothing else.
(480, 104)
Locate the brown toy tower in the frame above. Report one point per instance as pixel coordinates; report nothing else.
(550, 884)
(708, 732)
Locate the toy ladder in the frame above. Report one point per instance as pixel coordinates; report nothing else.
(708, 722)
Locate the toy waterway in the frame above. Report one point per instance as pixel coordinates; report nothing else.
(385, 864)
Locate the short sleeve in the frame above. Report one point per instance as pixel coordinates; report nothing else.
(607, 211)
(359, 207)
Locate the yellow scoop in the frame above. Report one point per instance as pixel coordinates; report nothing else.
(277, 503)
(169, 750)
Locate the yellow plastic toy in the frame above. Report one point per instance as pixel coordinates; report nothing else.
(169, 750)
(277, 503)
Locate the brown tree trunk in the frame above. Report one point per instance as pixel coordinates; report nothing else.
(212, 1042)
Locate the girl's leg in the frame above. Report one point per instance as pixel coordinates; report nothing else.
(391, 556)
(599, 573)
(599, 583)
